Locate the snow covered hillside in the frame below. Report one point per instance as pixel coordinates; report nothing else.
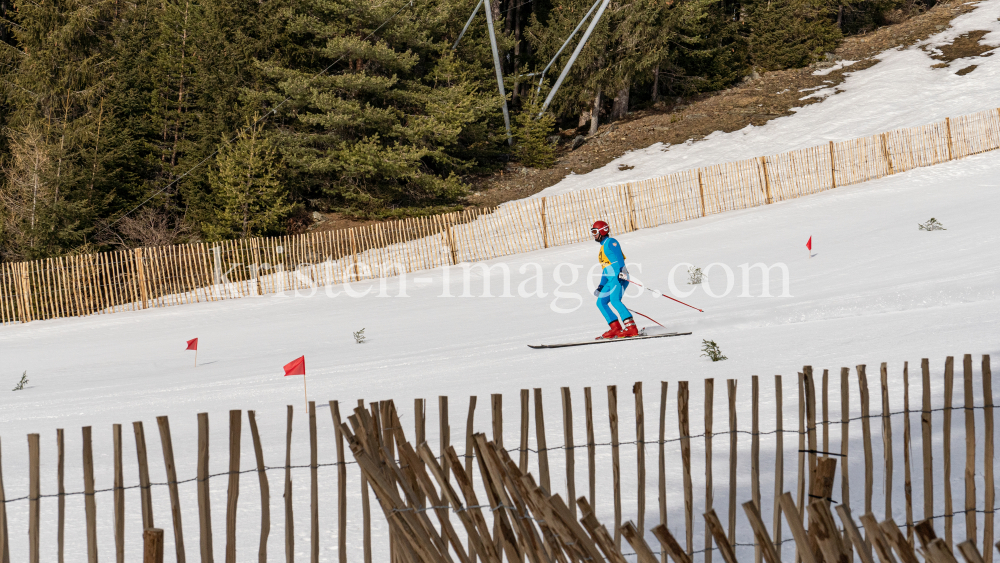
(903, 90)
(876, 289)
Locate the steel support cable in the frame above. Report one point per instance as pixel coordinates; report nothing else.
(576, 53)
(565, 43)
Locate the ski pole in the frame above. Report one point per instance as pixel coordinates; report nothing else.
(661, 294)
(641, 315)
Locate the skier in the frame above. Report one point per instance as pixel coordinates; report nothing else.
(614, 281)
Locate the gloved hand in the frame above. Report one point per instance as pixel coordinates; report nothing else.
(597, 292)
(623, 274)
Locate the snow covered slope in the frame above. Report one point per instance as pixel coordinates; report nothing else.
(876, 289)
(903, 90)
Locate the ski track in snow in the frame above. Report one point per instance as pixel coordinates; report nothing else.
(900, 91)
(877, 289)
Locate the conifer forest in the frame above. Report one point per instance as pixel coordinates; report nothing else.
(130, 123)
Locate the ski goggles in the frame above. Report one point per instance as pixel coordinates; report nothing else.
(595, 232)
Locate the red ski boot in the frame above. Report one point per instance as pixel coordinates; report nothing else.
(613, 332)
(630, 329)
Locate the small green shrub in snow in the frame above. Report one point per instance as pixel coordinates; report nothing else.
(931, 225)
(694, 276)
(712, 351)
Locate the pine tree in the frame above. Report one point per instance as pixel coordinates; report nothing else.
(130, 168)
(711, 50)
(249, 197)
(860, 16)
(789, 33)
(371, 123)
(202, 64)
(531, 134)
(53, 83)
(642, 33)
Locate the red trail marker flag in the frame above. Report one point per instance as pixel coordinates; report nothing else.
(298, 367)
(809, 245)
(193, 345)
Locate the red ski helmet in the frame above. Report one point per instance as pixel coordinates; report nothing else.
(600, 230)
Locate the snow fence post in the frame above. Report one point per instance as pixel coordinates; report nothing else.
(234, 467)
(709, 486)
(523, 450)
(833, 167)
(567, 405)
(886, 155)
(925, 431)
(809, 386)
(265, 491)
(767, 179)
(779, 462)
(800, 488)
(444, 432)
(34, 497)
(866, 437)
(289, 517)
(545, 228)
(949, 386)
(25, 294)
(631, 208)
(640, 452)
(140, 271)
(970, 450)
(145, 496)
(233, 492)
(60, 477)
(255, 252)
(152, 545)
(451, 246)
(496, 401)
(204, 507)
(90, 507)
(684, 426)
(591, 445)
(755, 464)
(341, 483)
(988, 459)
(543, 450)
(701, 190)
(951, 152)
(119, 494)
(907, 481)
(354, 252)
(615, 465)
(845, 417)
(886, 439)
(662, 459)
(4, 543)
(731, 392)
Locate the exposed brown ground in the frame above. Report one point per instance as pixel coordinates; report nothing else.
(752, 102)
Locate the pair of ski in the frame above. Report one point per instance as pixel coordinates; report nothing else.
(608, 340)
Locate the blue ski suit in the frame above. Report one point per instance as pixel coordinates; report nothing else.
(611, 288)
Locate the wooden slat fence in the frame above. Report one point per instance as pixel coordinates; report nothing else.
(410, 483)
(126, 280)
